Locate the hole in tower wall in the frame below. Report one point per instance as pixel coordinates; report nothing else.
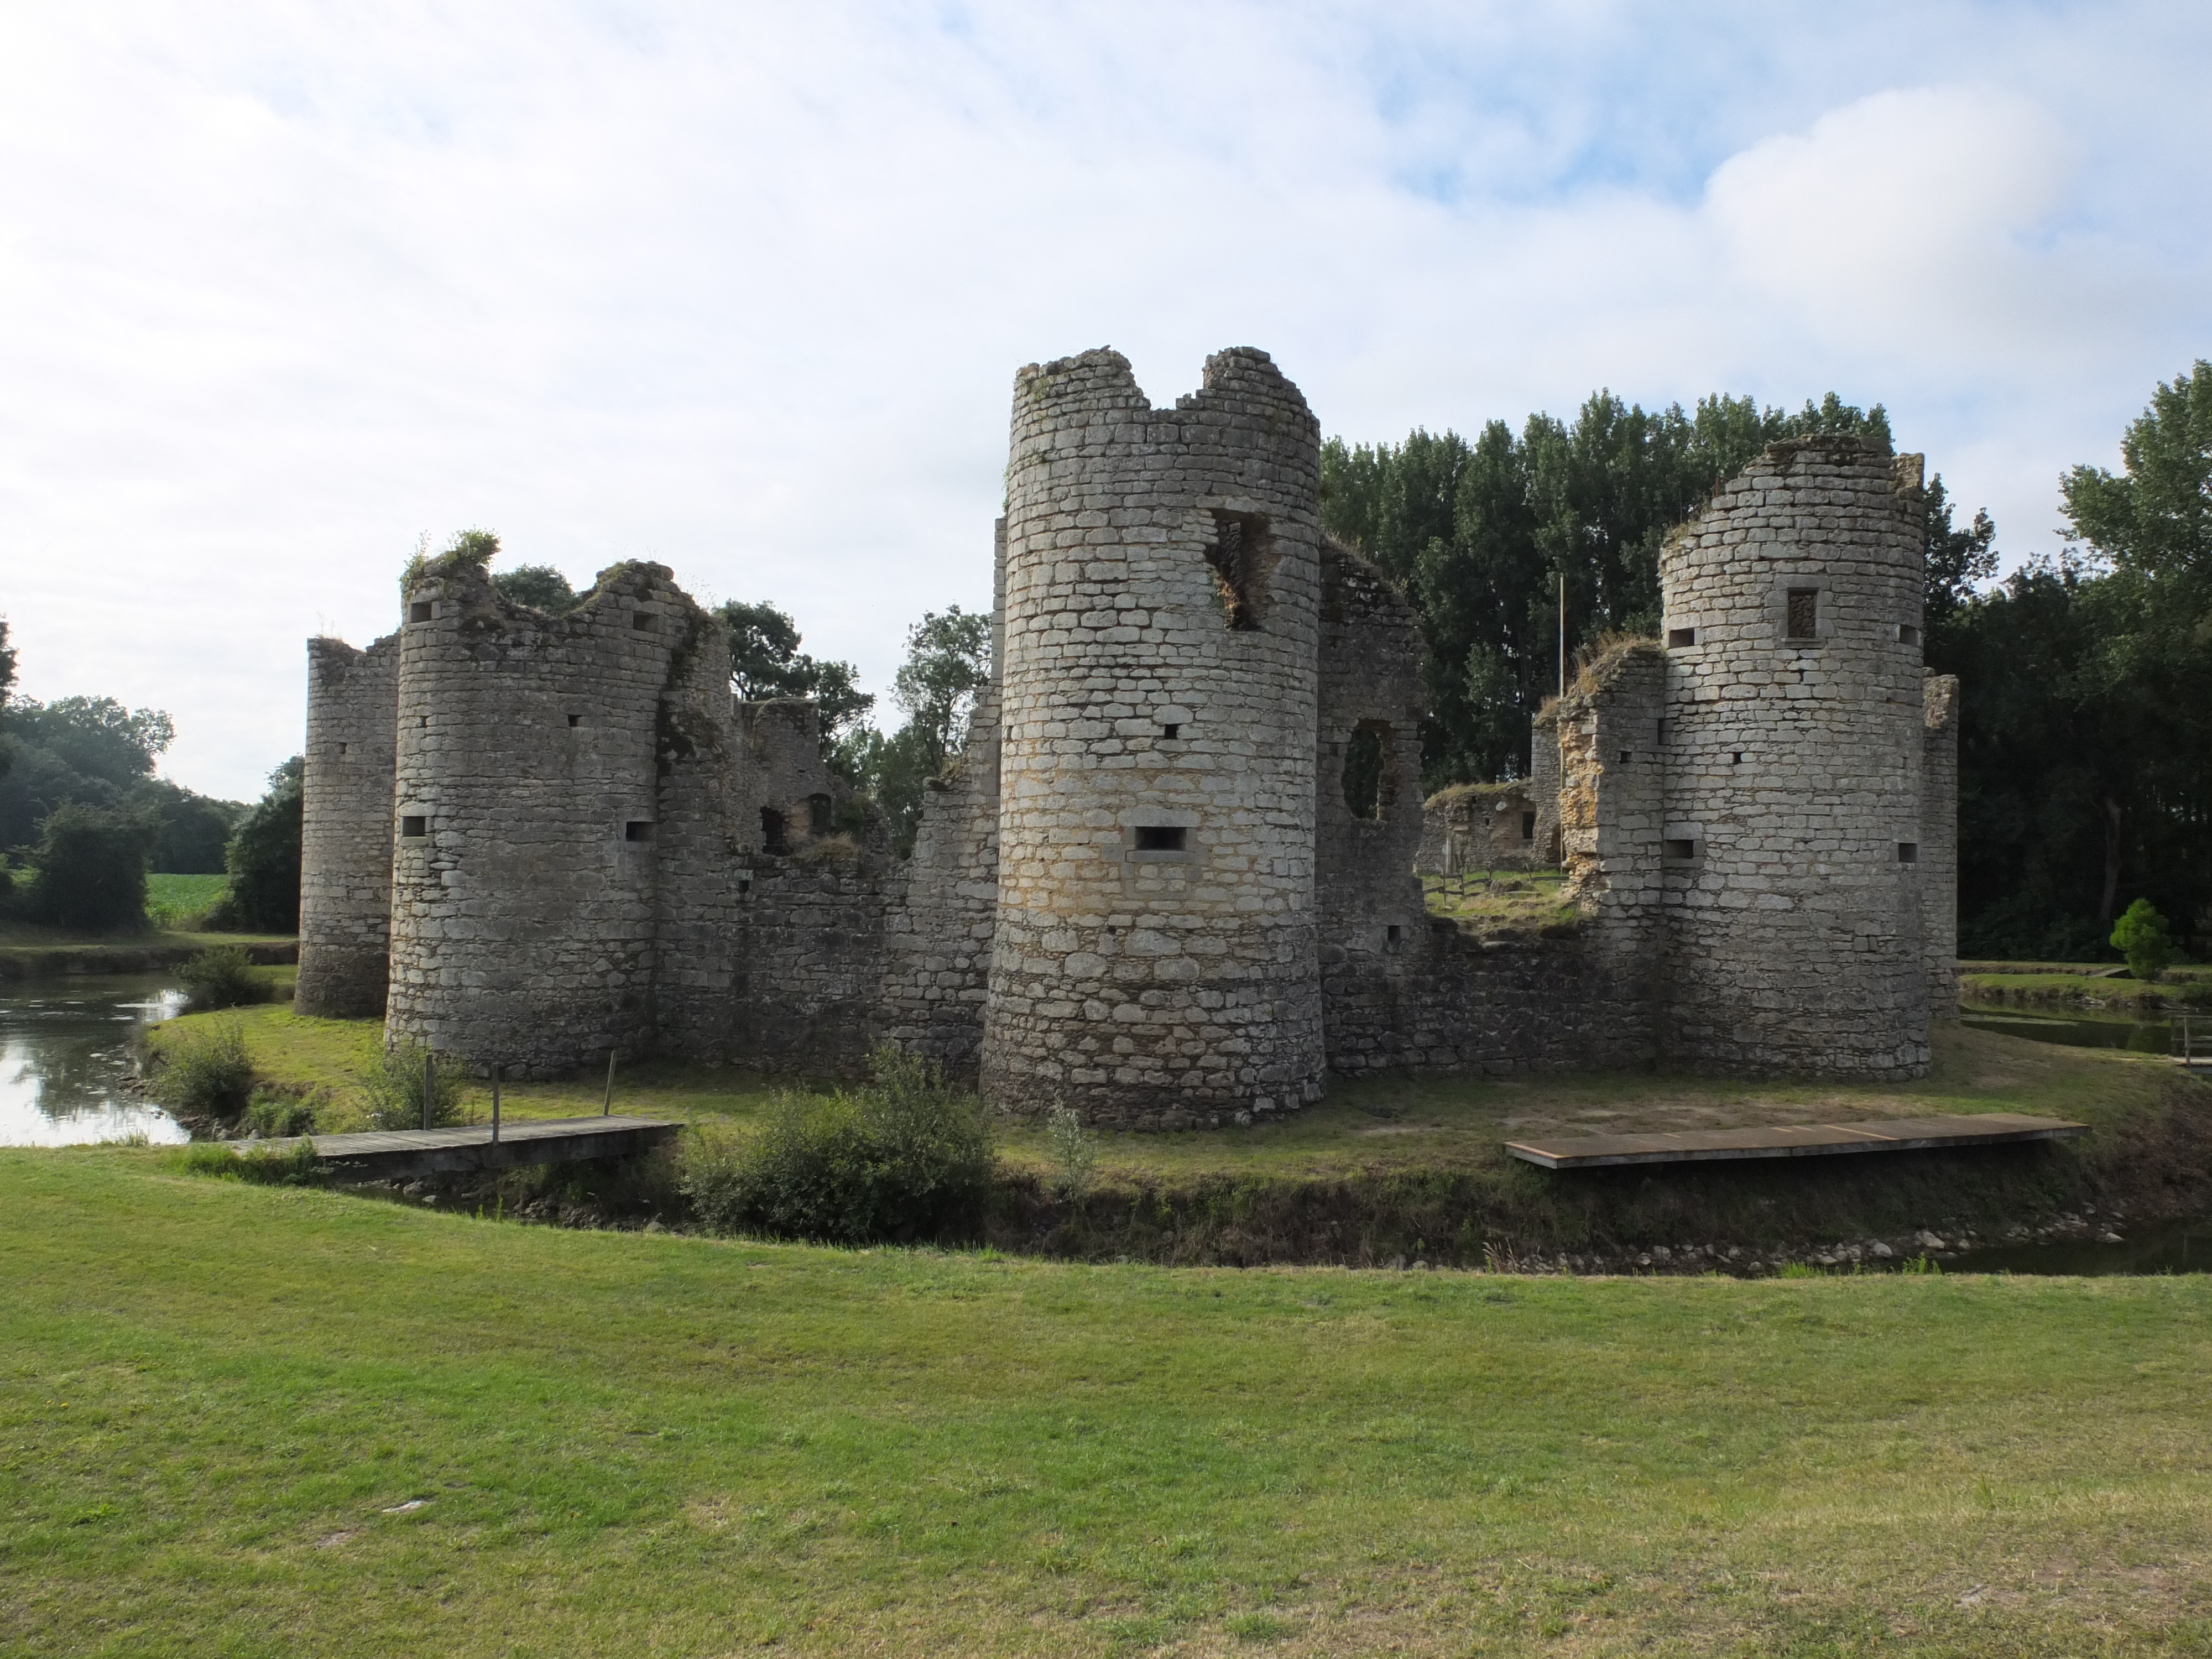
(1528, 826)
(414, 826)
(642, 620)
(774, 838)
(1163, 838)
(1364, 759)
(1907, 634)
(1242, 553)
(419, 610)
(638, 829)
(1908, 852)
(1677, 849)
(575, 720)
(1802, 619)
(1680, 637)
(821, 813)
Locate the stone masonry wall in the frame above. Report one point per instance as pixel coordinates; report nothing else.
(1939, 842)
(1482, 826)
(1154, 960)
(345, 832)
(1367, 898)
(1795, 738)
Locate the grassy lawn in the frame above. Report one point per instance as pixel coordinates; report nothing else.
(1501, 901)
(1367, 1124)
(2061, 985)
(249, 1421)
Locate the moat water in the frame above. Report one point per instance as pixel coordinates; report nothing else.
(66, 1054)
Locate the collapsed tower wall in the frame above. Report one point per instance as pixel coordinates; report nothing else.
(345, 830)
(1795, 743)
(1154, 954)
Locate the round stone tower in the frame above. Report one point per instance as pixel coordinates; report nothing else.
(1155, 962)
(345, 831)
(1792, 734)
(526, 852)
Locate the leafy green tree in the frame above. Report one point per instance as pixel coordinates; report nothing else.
(2157, 518)
(1958, 562)
(89, 870)
(7, 680)
(2142, 937)
(97, 737)
(540, 586)
(264, 859)
(1482, 536)
(948, 661)
(765, 662)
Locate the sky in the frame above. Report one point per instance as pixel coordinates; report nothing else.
(285, 289)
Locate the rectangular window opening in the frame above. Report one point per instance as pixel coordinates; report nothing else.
(1679, 637)
(1627, 755)
(1737, 758)
(1908, 852)
(1678, 849)
(575, 720)
(341, 748)
(642, 619)
(1528, 826)
(419, 611)
(638, 829)
(1907, 634)
(1803, 619)
(1392, 935)
(1171, 730)
(1662, 734)
(410, 826)
(1163, 838)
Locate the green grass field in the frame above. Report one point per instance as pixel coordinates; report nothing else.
(250, 1421)
(173, 901)
(1396, 1168)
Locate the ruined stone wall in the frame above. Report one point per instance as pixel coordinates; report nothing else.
(526, 884)
(1482, 826)
(1155, 957)
(1367, 898)
(1497, 1006)
(1612, 813)
(345, 831)
(1544, 786)
(1939, 842)
(1795, 739)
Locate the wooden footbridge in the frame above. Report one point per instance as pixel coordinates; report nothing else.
(397, 1154)
(1792, 1140)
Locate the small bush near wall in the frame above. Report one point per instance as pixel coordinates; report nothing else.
(207, 1074)
(221, 977)
(394, 1087)
(905, 1157)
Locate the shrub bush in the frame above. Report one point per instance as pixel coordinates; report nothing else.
(89, 870)
(220, 977)
(394, 1088)
(2140, 937)
(295, 1166)
(263, 859)
(905, 1157)
(205, 1074)
(276, 1116)
(1074, 1152)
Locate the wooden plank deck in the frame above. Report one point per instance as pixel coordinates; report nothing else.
(1791, 1141)
(385, 1154)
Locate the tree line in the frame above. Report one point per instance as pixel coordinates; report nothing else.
(2086, 724)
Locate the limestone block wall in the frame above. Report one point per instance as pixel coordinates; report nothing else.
(810, 949)
(1795, 740)
(1939, 841)
(701, 814)
(345, 833)
(1611, 816)
(1544, 786)
(1483, 826)
(1154, 960)
(939, 933)
(525, 878)
(1367, 898)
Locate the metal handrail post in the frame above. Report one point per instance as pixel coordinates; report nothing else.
(496, 1071)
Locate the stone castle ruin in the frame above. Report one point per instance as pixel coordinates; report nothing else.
(1171, 882)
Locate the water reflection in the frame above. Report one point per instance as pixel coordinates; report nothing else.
(65, 1049)
(2143, 1036)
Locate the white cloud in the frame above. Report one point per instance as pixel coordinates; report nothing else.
(744, 288)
